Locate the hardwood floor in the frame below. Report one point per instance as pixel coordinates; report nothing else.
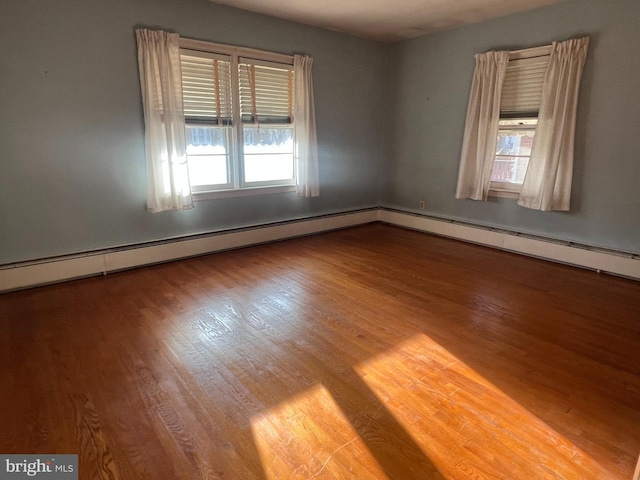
(367, 353)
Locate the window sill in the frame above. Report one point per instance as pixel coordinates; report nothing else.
(503, 193)
(244, 192)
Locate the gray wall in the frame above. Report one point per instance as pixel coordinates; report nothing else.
(429, 84)
(72, 174)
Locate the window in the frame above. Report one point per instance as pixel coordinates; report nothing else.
(521, 98)
(513, 149)
(519, 105)
(238, 107)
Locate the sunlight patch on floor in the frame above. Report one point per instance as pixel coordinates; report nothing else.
(465, 424)
(308, 437)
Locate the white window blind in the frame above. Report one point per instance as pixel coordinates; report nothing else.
(206, 87)
(266, 92)
(522, 88)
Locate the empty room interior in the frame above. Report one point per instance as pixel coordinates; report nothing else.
(358, 239)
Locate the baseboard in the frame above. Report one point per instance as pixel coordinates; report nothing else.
(58, 269)
(626, 265)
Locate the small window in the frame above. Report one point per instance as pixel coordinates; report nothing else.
(513, 149)
(519, 105)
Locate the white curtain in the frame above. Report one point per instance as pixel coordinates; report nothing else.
(306, 144)
(547, 184)
(481, 129)
(165, 145)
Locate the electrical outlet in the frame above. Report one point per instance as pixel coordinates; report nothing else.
(421, 204)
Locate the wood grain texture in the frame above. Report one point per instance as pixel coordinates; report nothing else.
(368, 353)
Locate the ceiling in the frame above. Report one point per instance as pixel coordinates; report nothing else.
(387, 20)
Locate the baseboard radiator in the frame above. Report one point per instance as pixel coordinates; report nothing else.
(57, 269)
(620, 263)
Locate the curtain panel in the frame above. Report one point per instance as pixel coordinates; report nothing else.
(481, 128)
(165, 144)
(547, 183)
(306, 143)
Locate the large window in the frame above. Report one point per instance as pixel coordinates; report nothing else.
(519, 105)
(239, 118)
(219, 121)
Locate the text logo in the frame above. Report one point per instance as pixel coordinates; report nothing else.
(51, 467)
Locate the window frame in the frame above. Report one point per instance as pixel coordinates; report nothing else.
(508, 189)
(237, 186)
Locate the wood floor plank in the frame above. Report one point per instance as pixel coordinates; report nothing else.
(371, 352)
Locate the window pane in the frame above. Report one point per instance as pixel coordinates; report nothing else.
(513, 149)
(208, 155)
(268, 154)
(207, 170)
(263, 168)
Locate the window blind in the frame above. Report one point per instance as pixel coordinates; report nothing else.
(266, 92)
(206, 87)
(524, 78)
